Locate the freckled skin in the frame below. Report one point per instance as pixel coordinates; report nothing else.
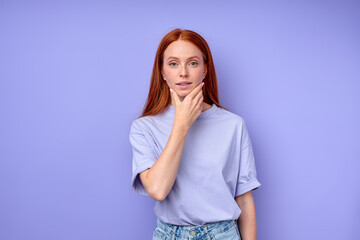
(184, 68)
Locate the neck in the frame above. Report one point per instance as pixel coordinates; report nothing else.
(206, 106)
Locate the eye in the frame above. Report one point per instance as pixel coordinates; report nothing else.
(194, 62)
(172, 63)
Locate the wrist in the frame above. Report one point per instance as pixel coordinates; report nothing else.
(180, 128)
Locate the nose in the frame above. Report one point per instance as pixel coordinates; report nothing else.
(184, 72)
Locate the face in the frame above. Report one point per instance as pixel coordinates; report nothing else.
(183, 61)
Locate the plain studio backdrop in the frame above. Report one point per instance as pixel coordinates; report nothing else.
(75, 74)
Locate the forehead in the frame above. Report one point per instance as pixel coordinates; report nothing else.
(182, 49)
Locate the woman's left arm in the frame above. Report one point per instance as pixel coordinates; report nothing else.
(247, 219)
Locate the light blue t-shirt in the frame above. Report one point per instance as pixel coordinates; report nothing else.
(217, 164)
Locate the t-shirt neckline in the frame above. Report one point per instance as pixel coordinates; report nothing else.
(202, 115)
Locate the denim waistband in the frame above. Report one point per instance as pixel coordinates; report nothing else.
(184, 231)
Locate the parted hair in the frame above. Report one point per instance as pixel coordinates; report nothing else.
(159, 93)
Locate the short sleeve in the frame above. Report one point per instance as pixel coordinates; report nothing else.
(143, 156)
(247, 176)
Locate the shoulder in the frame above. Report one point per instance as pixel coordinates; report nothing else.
(140, 123)
(231, 117)
(149, 123)
(239, 127)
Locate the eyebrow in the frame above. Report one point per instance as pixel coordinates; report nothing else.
(188, 58)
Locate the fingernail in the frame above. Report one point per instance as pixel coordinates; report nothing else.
(171, 90)
(203, 83)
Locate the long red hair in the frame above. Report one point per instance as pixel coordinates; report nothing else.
(159, 94)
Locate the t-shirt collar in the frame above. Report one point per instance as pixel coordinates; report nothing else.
(202, 115)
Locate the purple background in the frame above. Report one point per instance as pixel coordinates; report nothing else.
(74, 75)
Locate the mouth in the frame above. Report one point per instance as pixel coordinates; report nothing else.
(183, 85)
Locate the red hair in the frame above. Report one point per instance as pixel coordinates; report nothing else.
(159, 94)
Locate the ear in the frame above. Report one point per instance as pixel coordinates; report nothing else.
(205, 71)
(162, 75)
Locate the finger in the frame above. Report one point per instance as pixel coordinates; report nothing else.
(196, 90)
(174, 95)
(198, 95)
(198, 98)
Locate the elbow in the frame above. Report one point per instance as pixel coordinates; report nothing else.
(157, 195)
(152, 190)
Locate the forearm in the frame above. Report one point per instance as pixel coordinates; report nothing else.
(163, 173)
(247, 222)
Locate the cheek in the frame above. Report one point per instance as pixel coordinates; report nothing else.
(199, 71)
(169, 74)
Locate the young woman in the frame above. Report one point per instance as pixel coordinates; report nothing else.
(190, 154)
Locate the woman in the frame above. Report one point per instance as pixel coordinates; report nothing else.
(190, 154)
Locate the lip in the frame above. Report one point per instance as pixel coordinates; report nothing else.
(183, 82)
(184, 86)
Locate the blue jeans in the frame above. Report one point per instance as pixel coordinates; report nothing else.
(222, 230)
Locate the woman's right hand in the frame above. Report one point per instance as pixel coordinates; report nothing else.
(188, 110)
